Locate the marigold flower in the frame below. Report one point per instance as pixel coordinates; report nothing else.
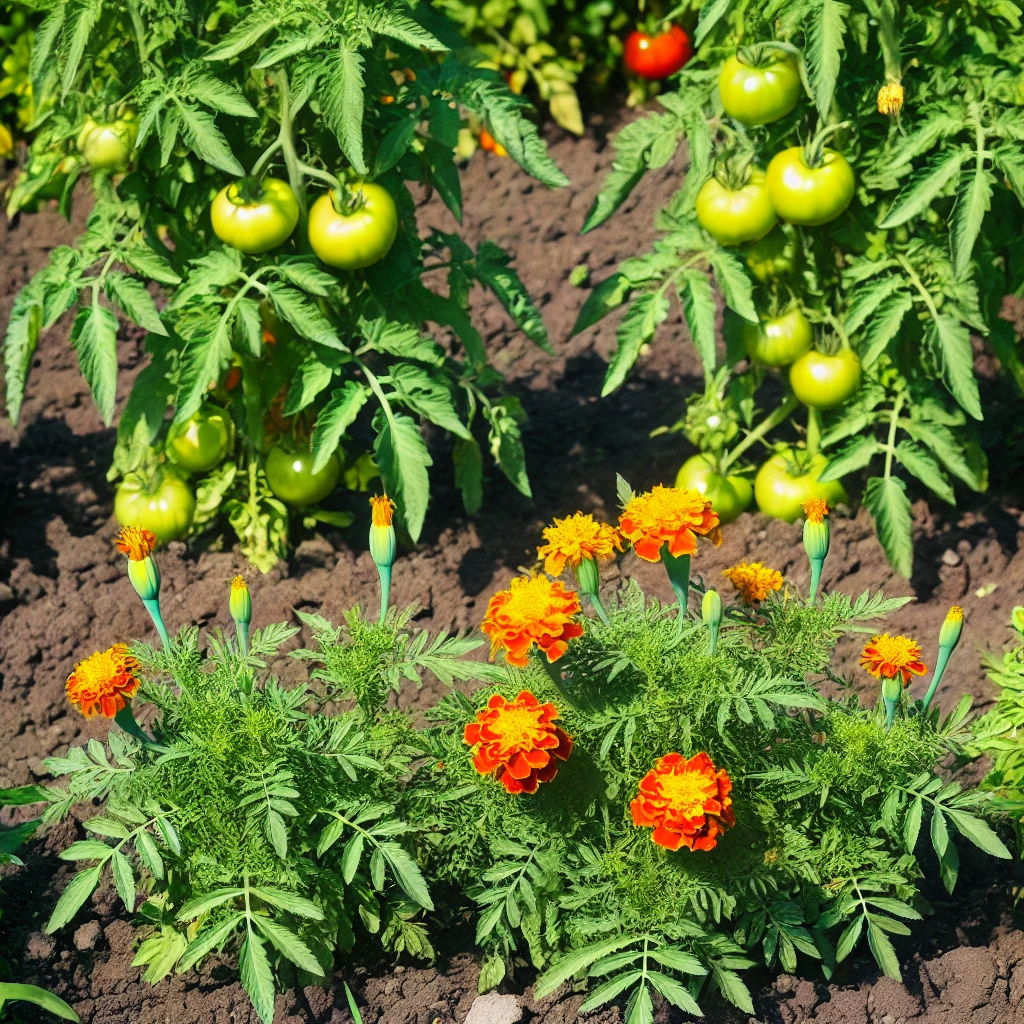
(136, 542)
(886, 657)
(578, 537)
(668, 515)
(687, 803)
(382, 510)
(519, 741)
(815, 510)
(753, 580)
(534, 610)
(890, 99)
(383, 544)
(104, 682)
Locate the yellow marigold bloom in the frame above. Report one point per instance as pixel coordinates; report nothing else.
(534, 610)
(136, 542)
(753, 580)
(518, 740)
(886, 657)
(104, 682)
(815, 510)
(687, 803)
(890, 99)
(382, 510)
(571, 540)
(668, 515)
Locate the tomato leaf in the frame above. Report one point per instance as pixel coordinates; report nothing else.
(973, 201)
(917, 195)
(132, 298)
(884, 326)
(606, 296)
(403, 460)
(492, 267)
(428, 395)
(94, 337)
(823, 50)
(951, 342)
(734, 282)
(918, 461)
(645, 314)
(469, 471)
(219, 95)
(506, 440)
(304, 315)
(205, 139)
(886, 500)
(334, 419)
(856, 454)
(342, 100)
(698, 302)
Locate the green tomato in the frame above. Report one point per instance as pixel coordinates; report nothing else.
(107, 146)
(773, 256)
(825, 382)
(760, 94)
(809, 195)
(202, 441)
(351, 241)
(258, 225)
(732, 216)
(291, 477)
(165, 507)
(778, 340)
(784, 483)
(729, 495)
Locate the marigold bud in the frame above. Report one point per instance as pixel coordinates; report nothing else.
(890, 99)
(1017, 618)
(383, 545)
(240, 602)
(952, 627)
(145, 578)
(711, 613)
(588, 575)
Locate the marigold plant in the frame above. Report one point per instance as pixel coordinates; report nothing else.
(701, 727)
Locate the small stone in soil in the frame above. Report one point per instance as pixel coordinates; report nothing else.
(40, 946)
(494, 1009)
(87, 936)
(950, 557)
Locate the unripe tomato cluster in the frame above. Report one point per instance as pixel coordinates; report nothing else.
(758, 87)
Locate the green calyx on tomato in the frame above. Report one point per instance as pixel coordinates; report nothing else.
(760, 84)
(778, 340)
(291, 477)
(164, 505)
(253, 216)
(729, 495)
(733, 215)
(823, 381)
(358, 234)
(202, 441)
(773, 256)
(655, 57)
(106, 146)
(789, 478)
(809, 190)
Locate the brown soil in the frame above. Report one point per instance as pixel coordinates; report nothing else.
(63, 595)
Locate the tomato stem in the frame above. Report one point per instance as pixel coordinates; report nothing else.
(768, 424)
(260, 166)
(814, 151)
(813, 431)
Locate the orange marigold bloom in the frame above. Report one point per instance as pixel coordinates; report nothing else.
(687, 803)
(104, 682)
(382, 510)
(753, 580)
(886, 657)
(890, 99)
(668, 515)
(136, 542)
(534, 610)
(575, 538)
(815, 510)
(519, 741)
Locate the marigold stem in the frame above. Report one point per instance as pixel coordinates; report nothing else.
(940, 667)
(125, 718)
(816, 567)
(153, 607)
(555, 675)
(599, 608)
(384, 571)
(678, 569)
(242, 631)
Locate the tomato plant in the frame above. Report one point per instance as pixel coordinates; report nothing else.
(655, 56)
(164, 504)
(263, 233)
(890, 138)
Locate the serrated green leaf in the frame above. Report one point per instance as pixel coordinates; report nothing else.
(407, 873)
(886, 500)
(951, 342)
(334, 419)
(855, 455)
(257, 978)
(979, 833)
(823, 51)
(606, 296)
(206, 941)
(916, 196)
(428, 395)
(912, 824)
(131, 296)
(469, 470)
(206, 140)
(643, 317)
(124, 880)
(973, 201)
(698, 302)
(884, 326)
(403, 459)
(883, 952)
(75, 893)
(734, 282)
(94, 338)
(342, 101)
(607, 991)
(919, 462)
(288, 944)
(575, 962)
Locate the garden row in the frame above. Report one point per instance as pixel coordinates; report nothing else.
(281, 825)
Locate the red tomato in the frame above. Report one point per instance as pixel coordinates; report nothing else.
(489, 144)
(657, 57)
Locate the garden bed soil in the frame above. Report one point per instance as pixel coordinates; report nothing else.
(63, 594)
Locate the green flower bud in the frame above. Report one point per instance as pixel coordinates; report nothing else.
(711, 613)
(588, 575)
(240, 602)
(383, 546)
(145, 578)
(952, 627)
